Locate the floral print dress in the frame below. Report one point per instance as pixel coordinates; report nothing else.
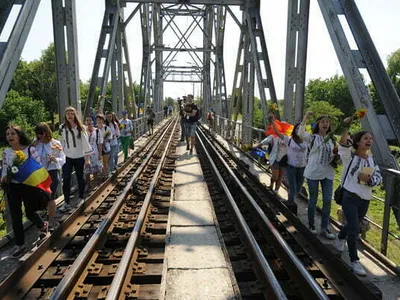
(95, 165)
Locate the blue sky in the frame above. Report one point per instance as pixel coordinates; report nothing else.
(380, 16)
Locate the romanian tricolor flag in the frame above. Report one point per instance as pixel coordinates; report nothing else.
(283, 127)
(33, 174)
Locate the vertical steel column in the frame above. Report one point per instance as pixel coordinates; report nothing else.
(296, 58)
(350, 63)
(158, 43)
(248, 90)
(10, 51)
(207, 42)
(129, 94)
(220, 89)
(146, 21)
(260, 54)
(104, 55)
(122, 99)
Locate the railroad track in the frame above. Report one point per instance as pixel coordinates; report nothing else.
(273, 255)
(114, 244)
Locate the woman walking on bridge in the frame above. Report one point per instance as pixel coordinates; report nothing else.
(52, 158)
(360, 175)
(112, 122)
(74, 139)
(319, 170)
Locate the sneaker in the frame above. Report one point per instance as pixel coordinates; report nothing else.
(65, 207)
(313, 230)
(18, 251)
(357, 268)
(43, 232)
(327, 234)
(53, 226)
(81, 201)
(339, 244)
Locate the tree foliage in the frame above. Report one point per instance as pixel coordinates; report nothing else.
(333, 90)
(21, 110)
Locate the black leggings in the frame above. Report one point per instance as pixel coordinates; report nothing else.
(70, 164)
(17, 194)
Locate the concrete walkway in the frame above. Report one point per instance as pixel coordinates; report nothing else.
(196, 267)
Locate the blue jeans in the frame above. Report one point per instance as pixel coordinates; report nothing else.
(113, 157)
(296, 179)
(354, 209)
(327, 186)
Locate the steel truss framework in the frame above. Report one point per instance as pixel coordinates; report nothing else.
(207, 61)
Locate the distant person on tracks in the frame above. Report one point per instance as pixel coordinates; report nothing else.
(113, 123)
(170, 109)
(182, 104)
(277, 156)
(296, 161)
(77, 149)
(360, 174)
(319, 170)
(126, 130)
(95, 166)
(107, 139)
(165, 108)
(18, 193)
(52, 157)
(191, 117)
(150, 115)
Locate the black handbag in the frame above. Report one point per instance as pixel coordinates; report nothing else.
(338, 194)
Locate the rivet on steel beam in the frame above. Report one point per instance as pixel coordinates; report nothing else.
(55, 249)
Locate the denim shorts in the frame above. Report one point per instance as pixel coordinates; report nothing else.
(190, 129)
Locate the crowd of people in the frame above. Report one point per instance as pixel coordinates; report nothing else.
(190, 114)
(90, 151)
(313, 156)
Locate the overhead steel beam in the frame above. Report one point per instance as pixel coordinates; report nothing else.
(66, 52)
(296, 59)
(10, 50)
(192, 2)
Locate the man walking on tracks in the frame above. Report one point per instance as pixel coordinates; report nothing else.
(191, 116)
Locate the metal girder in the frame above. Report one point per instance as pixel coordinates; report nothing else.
(66, 52)
(111, 21)
(296, 58)
(158, 41)
(146, 11)
(10, 50)
(330, 10)
(219, 77)
(129, 94)
(192, 2)
(252, 21)
(207, 43)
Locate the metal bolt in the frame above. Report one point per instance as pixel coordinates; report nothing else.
(40, 267)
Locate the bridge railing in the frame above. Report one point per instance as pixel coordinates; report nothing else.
(223, 127)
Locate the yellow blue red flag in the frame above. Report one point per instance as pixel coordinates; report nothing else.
(283, 127)
(34, 174)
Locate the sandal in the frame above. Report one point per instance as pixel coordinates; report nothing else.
(18, 251)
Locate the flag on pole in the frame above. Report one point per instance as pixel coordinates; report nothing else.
(32, 173)
(283, 127)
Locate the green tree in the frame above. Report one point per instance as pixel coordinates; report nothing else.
(333, 90)
(23, 111)
(321, 108)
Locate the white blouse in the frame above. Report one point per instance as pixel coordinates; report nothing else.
(53, 148)
(73, 146)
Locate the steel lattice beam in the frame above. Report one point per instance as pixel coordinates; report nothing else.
(10, 50)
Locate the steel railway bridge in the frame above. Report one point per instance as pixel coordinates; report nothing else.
(208, 20)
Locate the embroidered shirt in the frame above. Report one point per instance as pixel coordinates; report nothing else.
(53, 148)
(320, 156)
(73, 146)
(352, 183)
(9, 155)
(127, 127)
(297, 153)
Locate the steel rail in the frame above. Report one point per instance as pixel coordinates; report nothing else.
(269, 276)
(64, 287)
(311, 287)
(119, 277)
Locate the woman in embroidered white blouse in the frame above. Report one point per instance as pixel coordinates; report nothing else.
(360, 174)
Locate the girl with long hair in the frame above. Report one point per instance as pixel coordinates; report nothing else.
(319, 170)
(107, 138)
(95, 166)
(112, 122)
(77, 149)
(18, 193)
(52, 158)
(360, 174)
